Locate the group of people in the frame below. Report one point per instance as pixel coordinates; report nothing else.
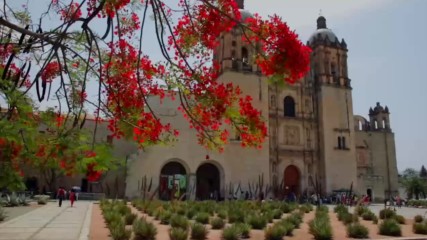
(62, 195)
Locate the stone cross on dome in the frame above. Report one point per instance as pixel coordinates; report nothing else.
(240, 4)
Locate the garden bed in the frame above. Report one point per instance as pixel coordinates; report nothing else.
(262, 220)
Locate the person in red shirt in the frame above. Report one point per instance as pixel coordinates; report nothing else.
(72, 196)
(61, 195)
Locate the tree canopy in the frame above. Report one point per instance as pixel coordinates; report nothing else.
(54, 52)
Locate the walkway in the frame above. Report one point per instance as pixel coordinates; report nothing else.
(50, 223)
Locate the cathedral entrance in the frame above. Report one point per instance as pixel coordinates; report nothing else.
(173, 181)
(208, 182)
(292, 180)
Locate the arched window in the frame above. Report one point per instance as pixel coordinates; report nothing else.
(384, 126)
(360, 126)
(289, 106)
(376, 124)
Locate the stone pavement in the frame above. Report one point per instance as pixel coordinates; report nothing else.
(50, 222)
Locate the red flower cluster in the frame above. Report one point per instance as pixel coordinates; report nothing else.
(11, 151)
(92, 174)
(110, 6)
(205, 24)
(283, 53)
(50, 72)
(129, 86)
(72, 13)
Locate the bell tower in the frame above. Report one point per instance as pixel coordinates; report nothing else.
(334, 107)
(233, 53)
(237, 66)
(379, 118)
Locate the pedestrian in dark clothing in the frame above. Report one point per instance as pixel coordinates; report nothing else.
(61, 195)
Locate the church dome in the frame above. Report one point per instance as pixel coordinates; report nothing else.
(322, 33)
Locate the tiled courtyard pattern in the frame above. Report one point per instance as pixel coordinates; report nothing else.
(50, 222)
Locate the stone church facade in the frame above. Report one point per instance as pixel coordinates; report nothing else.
(315, 140)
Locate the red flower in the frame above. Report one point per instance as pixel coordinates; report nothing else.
(50, 72)
(92, 174)
(72, 13)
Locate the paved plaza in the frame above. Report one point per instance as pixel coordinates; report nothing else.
(50, 222)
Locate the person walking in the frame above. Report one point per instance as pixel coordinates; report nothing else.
(72, 196)
(60, 195)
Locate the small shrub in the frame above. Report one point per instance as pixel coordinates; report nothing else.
(368, 215)
(295, 219)
(202, 218)
(288, 226)
(2, 214)
(198, 231)
(236, 216)
(245, 229)
(340, 208)
(375, 220)
(122, 209)
(348, 218)
(360, 210)
(180, 211)
(144, 230)
(118, 230)
(287, 208)
(390, 227)
(387, 213)
(418, 218)
(400, 219)
(268, 215)
(320, 228)
(42, 201)
(275, 232)
(190, 213)
(322, 208)
(257, 221)
(112, 217)
(129, 218)
(222, 214)
(277, 214)
(419, 228)
(231, 233)
(306, 208)
(165, 217)
(178, 234)
(217, 223)
(357, 230)
(178, 221)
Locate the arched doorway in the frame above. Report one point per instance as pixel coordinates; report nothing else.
(292, 180)
(208, 182)
(369, 193)
(32, 185)
(173, 181)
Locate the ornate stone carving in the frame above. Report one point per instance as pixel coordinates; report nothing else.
(292, 135)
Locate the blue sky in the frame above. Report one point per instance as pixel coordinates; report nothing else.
(387, 41)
